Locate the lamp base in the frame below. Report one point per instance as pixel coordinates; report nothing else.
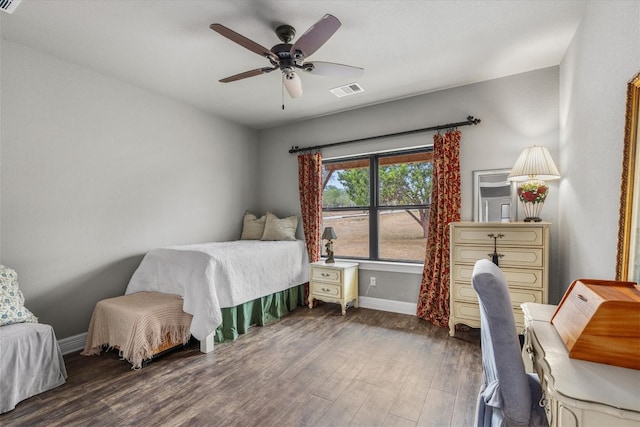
(329, 260)
(532, 194)
(532, 219)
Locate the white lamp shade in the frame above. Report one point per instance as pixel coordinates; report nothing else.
(293, 84)
(534, 162)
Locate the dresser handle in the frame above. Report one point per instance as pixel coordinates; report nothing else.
(531, 352)
(495, 254)
(325, 274)
(325, 290)
(493, 236)
(544, 403)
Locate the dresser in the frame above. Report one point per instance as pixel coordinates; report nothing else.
(336, 282)
(522, 252)
(577, 393)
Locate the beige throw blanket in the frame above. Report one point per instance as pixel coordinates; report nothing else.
(137, 324)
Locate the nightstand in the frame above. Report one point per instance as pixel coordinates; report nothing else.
(336, 282)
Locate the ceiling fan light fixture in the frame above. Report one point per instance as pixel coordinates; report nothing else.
(293, 84)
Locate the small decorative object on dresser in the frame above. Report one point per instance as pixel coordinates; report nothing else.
(337, 282)
(522, 251)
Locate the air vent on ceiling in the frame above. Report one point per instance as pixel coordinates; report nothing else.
(9, 5)
(350, 89)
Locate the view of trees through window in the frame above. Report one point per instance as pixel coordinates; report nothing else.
(379, 205)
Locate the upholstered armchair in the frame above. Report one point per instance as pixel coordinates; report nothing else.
(508, 395)
(30, 357)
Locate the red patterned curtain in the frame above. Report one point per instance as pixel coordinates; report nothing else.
(310, 185)
(433, 301)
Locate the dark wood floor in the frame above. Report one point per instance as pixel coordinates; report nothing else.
(312, 368)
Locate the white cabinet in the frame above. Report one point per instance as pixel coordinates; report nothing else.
(522, 252)
(336, 282)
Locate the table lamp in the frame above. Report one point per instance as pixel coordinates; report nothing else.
(533, 167)
(329, 235)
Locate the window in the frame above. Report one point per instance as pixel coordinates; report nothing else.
(379, 205)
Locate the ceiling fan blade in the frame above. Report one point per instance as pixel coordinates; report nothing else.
(246, 74)
(316, 36)
(243, 41)
(331, 69)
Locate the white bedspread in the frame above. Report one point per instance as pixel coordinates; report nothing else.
(211, 276)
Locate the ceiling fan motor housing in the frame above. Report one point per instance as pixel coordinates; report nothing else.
(286, 33)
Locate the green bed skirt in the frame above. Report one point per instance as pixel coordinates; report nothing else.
(262, 311)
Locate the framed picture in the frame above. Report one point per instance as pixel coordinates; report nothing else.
(628, 254)
(494, 198)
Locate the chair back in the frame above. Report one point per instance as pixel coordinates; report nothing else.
(505, 390)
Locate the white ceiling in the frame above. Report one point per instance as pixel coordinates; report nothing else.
(406, 47)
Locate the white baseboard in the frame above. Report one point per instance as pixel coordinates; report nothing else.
(400, 307)
(73, 343)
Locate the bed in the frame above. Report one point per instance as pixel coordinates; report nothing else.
(227, 286)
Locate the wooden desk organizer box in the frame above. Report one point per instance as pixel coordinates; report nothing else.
(599, 321)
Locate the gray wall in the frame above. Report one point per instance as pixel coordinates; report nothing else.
(603, 56)
(516, 112)
(96, 172)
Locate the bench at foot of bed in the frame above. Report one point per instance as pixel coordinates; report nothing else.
(139, 325)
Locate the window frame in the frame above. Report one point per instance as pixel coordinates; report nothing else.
(374, 208)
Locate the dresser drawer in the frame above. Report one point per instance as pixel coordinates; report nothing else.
(328, 275)
(467, 311)
(530, 278)
(521, 236)
(464, 292)
(469, 314)
(325, 289)
(511, 257)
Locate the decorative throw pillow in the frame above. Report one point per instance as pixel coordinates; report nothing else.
(280, 229)
(12, 309)
(252, 227)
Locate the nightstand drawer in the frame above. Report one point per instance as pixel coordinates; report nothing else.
(326, 275)
(325, 289)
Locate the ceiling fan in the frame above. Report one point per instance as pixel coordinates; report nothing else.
(288, 57)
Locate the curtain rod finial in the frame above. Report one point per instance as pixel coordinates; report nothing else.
(472, 120)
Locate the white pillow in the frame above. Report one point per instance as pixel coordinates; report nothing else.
(252, 226)
(280, 229)
(12, 309)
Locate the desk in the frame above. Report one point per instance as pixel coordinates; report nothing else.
(577, 392)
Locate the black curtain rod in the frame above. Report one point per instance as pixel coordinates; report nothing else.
(470, 121)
